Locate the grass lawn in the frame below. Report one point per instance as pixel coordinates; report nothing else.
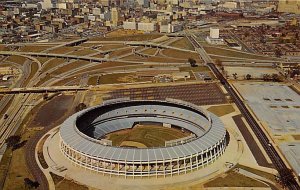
(181, 54)
(258, 172)
(34, 67)
(120, 52)
(63, 50)
(93, 80)
(83, 52)
(149, 135)
(42, 60)
(183, 43)
(296, 137)
(221, 110)
(150, 51)
(233, 179)
(16, 59)
(120, 78)
(195, 69)
(53, 63)
(35, 48)
(18, 169)
(111, 46)
(61, 183)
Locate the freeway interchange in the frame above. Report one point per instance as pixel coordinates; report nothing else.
(287, 177)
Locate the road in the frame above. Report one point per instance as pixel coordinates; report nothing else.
(290, 181)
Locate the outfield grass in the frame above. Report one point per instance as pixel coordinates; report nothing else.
(149, 135)
(183, 43)
(221, 110)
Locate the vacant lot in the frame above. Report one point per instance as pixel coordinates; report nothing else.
(183, 43)
(148, 135)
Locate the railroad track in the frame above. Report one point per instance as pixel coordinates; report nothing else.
(289, 179)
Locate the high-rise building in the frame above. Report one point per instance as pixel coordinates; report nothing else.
(114, 16)
(289, 6)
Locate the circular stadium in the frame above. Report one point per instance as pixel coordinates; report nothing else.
(91, 138)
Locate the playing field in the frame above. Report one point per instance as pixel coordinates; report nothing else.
(142, 136)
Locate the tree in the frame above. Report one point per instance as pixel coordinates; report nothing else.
(248, 76)
(234, 75)
(275, 77)
(266, 77)
(29, 184)
(80, 106)
(218, 62)
(192, 62)
(12, 140)
(278, 52)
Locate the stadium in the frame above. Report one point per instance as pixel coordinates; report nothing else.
(85, 138)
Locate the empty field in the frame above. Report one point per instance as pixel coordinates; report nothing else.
(183, 43)
(148, 135)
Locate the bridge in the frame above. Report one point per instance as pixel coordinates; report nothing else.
(43, 89)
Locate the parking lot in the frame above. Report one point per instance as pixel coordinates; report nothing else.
(199, 94)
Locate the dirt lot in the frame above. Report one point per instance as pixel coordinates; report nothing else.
(46, 114)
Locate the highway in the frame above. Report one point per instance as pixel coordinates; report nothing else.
(287, 178)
